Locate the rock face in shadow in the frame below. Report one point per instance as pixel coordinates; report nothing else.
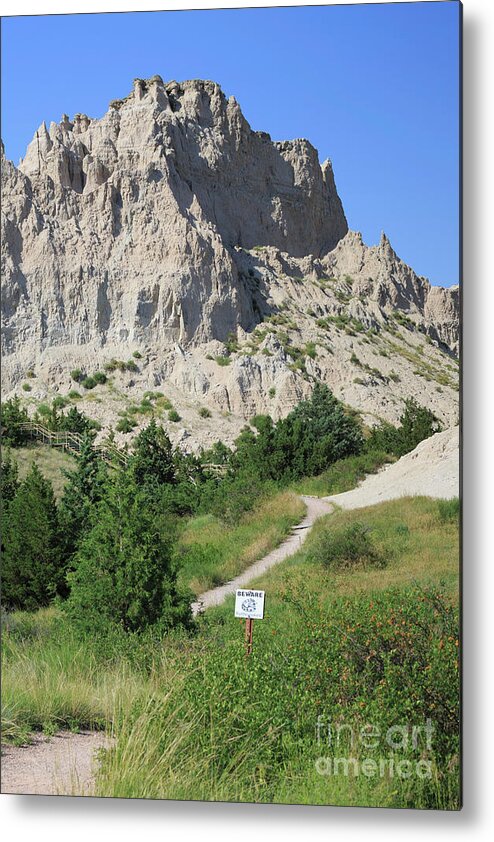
(169, 224)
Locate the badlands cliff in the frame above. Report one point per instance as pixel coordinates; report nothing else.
(171, 230)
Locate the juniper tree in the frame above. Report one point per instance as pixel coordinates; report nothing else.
(12, 416)
(416, 424)
(152, 460)
(32, 568)
(124, 571)
(9, 482)
(81, 493)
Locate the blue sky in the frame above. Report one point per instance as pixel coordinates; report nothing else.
(373, 87)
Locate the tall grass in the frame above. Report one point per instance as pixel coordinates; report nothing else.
(172, 748)
(230, 728)
(49, 460)
(51, 680)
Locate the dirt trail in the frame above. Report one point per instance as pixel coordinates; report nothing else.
(316, 507)
(432, 469)
(61, 765)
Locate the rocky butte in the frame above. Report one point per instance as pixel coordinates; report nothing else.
(170, 229)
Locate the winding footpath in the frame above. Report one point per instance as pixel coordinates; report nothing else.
(316, 507)
(432, 469)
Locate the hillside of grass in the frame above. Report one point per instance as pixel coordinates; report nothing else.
(343, 475)
(51, 462)
(361, 628)
(416, 538)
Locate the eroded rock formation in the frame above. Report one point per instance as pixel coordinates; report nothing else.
(169, 223)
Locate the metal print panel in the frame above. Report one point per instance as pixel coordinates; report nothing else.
(230, 368)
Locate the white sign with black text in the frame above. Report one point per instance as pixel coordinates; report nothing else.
(249, 604)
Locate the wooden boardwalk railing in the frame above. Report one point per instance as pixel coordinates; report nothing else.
(71, 442)
(220, 470)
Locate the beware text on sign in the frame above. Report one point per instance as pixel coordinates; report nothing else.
(249, 604)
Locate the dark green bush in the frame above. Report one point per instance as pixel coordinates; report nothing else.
(145, 408)
(60, 402)
(83, 489)
(174, 416)
(416, 424)
(73, 422)
(100, 377)
(9, 482)
(125, 425)
(89, 382)
(347, 547)
(77, 374)
(218, 454)
(152, 459)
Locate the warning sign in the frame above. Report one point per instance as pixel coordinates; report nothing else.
(249, 604)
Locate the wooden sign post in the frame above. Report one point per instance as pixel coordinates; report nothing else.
(249, 631)
(249, 604)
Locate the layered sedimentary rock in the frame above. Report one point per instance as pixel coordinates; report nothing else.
(167, 226)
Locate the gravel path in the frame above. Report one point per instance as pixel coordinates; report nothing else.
(316, 507)
(61, 765)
